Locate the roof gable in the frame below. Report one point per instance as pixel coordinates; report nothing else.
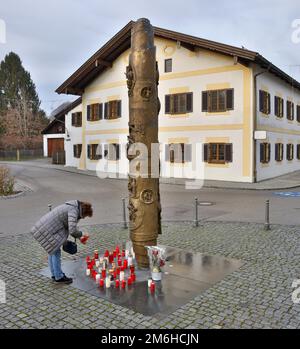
(120, 42)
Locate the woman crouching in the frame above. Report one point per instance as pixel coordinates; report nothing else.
(53, 229)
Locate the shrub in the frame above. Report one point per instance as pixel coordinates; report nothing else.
(7, 181)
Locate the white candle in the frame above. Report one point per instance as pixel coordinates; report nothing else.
(122, 275)
(107, 282)
(97, 278)
(129, 260)
(88, 272)
(149, 282)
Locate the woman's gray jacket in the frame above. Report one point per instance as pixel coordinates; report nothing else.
(53, 229)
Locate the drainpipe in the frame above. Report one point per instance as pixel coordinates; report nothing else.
(255, 122)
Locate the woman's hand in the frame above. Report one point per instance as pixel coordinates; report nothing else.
(84, 238)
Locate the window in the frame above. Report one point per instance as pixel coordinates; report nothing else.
(264, 102)
(77, 148)
(217, 153)
(298, 151)
(168, 65)
(77, 119)
(179, 103)
(290, 110)
(298, 113)
(290, 152)
(94, 112)
(178, 152)
(278, 152)
(278, 106)
(265, 152)
(218, 100)
(112, 151)
(112, 110)
(94, 151)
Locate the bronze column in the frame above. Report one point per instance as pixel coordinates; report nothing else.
(142, 80)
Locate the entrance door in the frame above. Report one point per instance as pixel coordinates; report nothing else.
(55, 145)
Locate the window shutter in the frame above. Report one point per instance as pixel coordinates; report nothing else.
(73, 119)
(189, 102)
(262, 152)
(268, 152)
(230, 99)
(261, 101)
(269, 103)
(292, 151)
(167, 152)
(276, 105)
(89, 151)
(277, 152)
(298, 151)
(204, 100)
(228, 152)
(88, 112)
(119, 109)
(106, 151)
(187, 152)
(117, 151)
(293, 111)
(100, 111)
(167, 104)
(298, 113)
(79, 119)
(74, 151)
(205, 152)
(79, 150)
(105, 110)
(98, 151)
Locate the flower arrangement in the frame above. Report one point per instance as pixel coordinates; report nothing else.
(157, 259)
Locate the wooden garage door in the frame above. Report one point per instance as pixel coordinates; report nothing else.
(55, 145)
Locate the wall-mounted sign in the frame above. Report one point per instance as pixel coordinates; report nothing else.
(260, 135)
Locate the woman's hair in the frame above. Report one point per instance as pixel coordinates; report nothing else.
(86, 209)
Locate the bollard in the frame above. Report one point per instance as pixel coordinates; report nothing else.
(124, 214)
(267, 215)
(50, 207)
(196, 213)
(18, 155)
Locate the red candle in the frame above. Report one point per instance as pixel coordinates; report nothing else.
(117, 250)
(96, 254)
(111, 258)
(152, 287)
(118, 271)
(115, 253)
(122, 268)
(106, 254)
(132, 268)
(133, 277)
(123, 253)
(119, 262)
(94, 274)
(129, 280)
(125, 264)
(123, 284)
(88, 259)
(101, 283)
(117, 283)
(103, 273)
(115, 274)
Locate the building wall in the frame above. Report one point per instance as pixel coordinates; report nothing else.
(75, 134)
(279, 130)
(192, 72)
(45, 141)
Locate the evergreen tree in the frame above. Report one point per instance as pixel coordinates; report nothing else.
(19, 102)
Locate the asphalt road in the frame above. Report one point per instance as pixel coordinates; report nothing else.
(55, 187)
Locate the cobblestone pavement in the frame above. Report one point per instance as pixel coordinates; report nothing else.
(258, 295)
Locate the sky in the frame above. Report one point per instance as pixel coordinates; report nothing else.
(53, 38)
